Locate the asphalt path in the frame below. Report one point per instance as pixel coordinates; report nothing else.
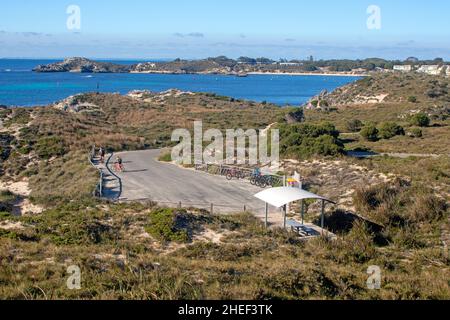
(146, 178)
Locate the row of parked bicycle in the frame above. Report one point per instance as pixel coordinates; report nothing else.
(255, 177)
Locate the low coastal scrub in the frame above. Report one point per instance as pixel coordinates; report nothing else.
(415, 133)
(399, 204)
(165, 157)
(118, 262)
(388, 130)
(304, 140)
(370, 132)
(420, 120)
(167, 225)
(50, 147)
(67, 177)
(7, 200)
(18, 116)
(354, 125)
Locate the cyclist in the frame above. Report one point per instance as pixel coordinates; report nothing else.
(102, 154)
(256, 178)
(257, 172)
(119, 164)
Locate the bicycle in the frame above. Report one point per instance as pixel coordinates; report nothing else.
(118, 167)
(235, 173)
(259, 181)
(273, 181)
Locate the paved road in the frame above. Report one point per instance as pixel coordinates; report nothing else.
(165, 183)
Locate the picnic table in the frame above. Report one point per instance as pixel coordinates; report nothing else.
(301, 229)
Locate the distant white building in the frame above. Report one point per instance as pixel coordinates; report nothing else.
(402, 68)
(289, 64)
(432, 69)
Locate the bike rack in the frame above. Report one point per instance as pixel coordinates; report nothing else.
(222, 170)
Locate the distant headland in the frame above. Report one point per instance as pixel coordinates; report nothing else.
(244, 66)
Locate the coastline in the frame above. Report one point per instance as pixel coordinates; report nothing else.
(258, 73)
(308, 74)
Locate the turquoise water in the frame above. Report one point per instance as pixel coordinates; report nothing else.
(19, 86)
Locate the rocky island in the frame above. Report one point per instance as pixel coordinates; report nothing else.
(82, 65)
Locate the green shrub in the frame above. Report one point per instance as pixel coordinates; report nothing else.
(6, 201)
(6, 196)
(164, 226)
(369, 132)
(73, 224)
(426, 207)
(324, 145)
(416, 133)
(420, 120)
(4, 113)
(354, 125)
(19, 235)
(49, 147)
(389, 130)
(166, 157)
(4, 214)
(19, 116)
(412, 99)
(358, 244)
(305, 140)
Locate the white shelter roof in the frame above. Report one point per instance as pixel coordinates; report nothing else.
(279, 197)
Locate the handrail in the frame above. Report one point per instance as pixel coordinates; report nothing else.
(98, 191)
(114, 175)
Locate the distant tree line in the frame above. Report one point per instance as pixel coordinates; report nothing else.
(336, 65)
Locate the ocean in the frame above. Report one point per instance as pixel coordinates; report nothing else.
(19, 86)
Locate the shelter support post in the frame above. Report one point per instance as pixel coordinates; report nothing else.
(267, 215)
(322, 223)
(303, 212)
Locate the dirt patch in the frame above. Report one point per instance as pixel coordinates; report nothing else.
(20, 188)
(210, 236)
(22, 206)
(8, 225)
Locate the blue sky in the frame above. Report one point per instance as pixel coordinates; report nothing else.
(201, 28)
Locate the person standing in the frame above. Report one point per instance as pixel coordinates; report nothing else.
(102, 154)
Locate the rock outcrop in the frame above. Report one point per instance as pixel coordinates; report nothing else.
(82, 65)
(75, 104)
(295, 117)
(318, 102)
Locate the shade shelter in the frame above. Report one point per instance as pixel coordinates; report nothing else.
(280, 197)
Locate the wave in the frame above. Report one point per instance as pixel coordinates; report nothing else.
(15, 70)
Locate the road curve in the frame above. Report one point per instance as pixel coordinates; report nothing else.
(147, 178)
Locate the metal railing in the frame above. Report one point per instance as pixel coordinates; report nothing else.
(119, 180)
(98, 191)
(210, 207)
